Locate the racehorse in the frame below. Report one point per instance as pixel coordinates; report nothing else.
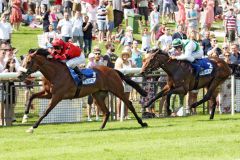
(58, 85)
(181, 78)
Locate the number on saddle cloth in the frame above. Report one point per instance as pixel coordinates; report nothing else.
(204, 66)
(88, 73)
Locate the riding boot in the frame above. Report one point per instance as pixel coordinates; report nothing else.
(80, 75)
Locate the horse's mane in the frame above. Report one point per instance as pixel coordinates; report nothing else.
(43, 52)
(183, 63)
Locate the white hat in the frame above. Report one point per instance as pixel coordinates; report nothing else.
(129, 28)
(91, 55)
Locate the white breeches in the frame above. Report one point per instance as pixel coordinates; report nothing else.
(75, 62)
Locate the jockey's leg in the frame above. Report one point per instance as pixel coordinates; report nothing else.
(75, 62)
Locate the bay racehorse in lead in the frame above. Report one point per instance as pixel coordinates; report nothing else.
(58, 85)
(181, 78)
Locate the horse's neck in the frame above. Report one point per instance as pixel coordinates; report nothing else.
(167, 66)
(51, 69)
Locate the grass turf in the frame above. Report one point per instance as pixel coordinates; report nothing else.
(193, 137)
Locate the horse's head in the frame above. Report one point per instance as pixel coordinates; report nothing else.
(151, 62)
(29, 65)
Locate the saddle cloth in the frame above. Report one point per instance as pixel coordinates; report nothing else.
(205, 64)
(88, 74)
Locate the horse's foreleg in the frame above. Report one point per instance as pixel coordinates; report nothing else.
(99, 98)
(41, 94)
(169, 112)
(159, 95)
(53, 102)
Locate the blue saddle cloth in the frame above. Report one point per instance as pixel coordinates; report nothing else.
(88, 73)
(203, 66)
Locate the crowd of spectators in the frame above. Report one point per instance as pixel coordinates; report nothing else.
(83, 22)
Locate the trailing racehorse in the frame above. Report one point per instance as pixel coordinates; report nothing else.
(58, 85)
(181, 78)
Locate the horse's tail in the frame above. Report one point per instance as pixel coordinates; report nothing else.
(132, 83)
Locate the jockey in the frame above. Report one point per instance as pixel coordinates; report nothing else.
(69, 53)
(177, 47)
(192, 50)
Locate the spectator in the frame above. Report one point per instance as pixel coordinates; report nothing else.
(77, 30)
(181, 16)
(128, 8)
(53, 19)
(29, 19)
(165, 40)
(143, 10)
(235, 55)
(160, 31)
(16, 14)
(206, 44)
(65, 27)
(67, 6)
(10, 53)
(208, 15)
(230, 26)
(110, 58)
(192, 17)
(5, 30)
(154, 23)
(124, 62)
(91, 10)
(11, 98)
(128, 38)
(45, 17)
(76, 6)
(137, 55)
(180, 33)
(146, 40)
(117, 12)
(110, 20)
(119, 34)
(214, 49)
(87, 35)
(167, 9)
(149, 87)
(101, 20)
(49, 36)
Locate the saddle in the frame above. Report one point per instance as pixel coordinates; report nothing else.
(87, 76)
(202, 67)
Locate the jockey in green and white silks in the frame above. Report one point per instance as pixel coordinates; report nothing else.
(192, 51)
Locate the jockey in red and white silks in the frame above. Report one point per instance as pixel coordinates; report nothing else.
(68, 52)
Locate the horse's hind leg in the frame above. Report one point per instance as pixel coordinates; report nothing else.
(41, 94)
(208, 95)
(129, 104)
(99, 98)
(214, 103)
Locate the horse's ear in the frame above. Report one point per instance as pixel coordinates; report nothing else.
(33, 54)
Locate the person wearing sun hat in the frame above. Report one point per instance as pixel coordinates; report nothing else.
(124, 62)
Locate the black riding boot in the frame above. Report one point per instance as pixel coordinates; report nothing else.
(76, 69)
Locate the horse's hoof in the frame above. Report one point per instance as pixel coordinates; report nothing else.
(30, 130)
(24, 119)
(144, 125)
